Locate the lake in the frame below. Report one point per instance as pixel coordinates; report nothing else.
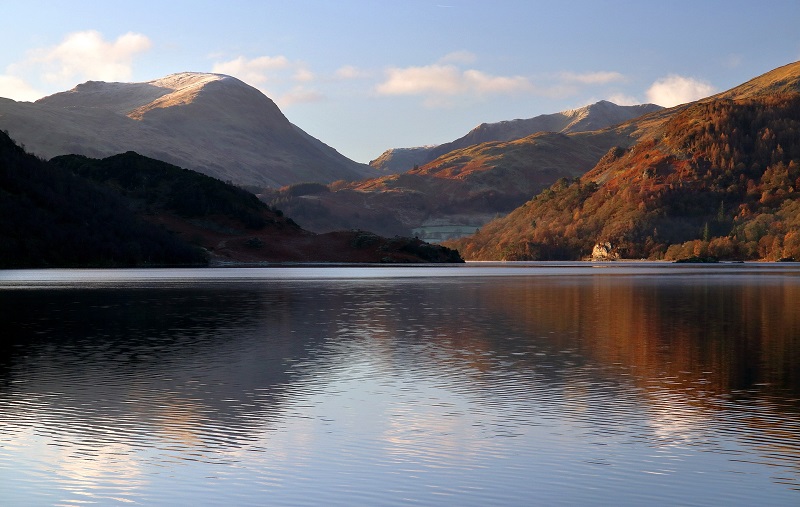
(478, 384)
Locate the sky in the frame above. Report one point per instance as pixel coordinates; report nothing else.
(365, 76)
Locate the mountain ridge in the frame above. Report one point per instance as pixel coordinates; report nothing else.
(594, 116)
(785, 78)
(212, 123)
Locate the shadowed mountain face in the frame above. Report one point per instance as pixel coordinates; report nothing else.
(592, 117)
(716, 178)
(52, 218)
(229, 223)
(129, 210)
(211, 123)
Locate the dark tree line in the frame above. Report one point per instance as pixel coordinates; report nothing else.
(161, 186)
(50, 217)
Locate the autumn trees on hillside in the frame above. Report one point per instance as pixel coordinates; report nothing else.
(721, 179)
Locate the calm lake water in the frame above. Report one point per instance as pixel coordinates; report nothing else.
(514, 384)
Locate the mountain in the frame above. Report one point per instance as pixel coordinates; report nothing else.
(716, 178)
(210, 123)
(458, 191)
(131, 210)
(231, 224)
(592, 117)
(398, 160)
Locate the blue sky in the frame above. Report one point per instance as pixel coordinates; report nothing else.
(364, 76)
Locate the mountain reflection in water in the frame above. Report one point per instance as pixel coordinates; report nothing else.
(661, 386)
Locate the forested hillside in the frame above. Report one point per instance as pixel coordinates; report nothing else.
(231, 224)
(52, 218)
(155, 186)
(133, 211)
(469, 185)
(719, 178)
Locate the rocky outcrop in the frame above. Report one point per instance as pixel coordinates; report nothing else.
(604, 252)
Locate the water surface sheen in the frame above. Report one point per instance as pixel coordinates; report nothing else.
(484, 384)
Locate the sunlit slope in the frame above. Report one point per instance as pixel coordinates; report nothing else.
(718, 177)
(469, 185)
(211, 123)
(595, 116)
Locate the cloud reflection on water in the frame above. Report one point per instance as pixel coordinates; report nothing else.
(280, 382)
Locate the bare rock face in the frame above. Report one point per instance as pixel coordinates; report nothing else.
(604, 252)
(211, 123)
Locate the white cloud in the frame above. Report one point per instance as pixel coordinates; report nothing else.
(621, 99)
(439, 79)
(484, 83)
(303, 75)
(351, 72)
(253, 71)
(86, 55)
(448, 80)
(592, 78)
(79, 57)
(279, 73)
(440, 82)
(458, 57)
(299, 95)
(13, 87)
(673, 90)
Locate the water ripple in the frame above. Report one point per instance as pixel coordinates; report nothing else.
(380, 391)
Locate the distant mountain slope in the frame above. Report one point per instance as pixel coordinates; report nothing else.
(211, 123)
(719, 177)
(468, 186)
(592, 117)
(398, 160)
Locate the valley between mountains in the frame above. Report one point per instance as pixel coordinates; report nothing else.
(197, 168)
